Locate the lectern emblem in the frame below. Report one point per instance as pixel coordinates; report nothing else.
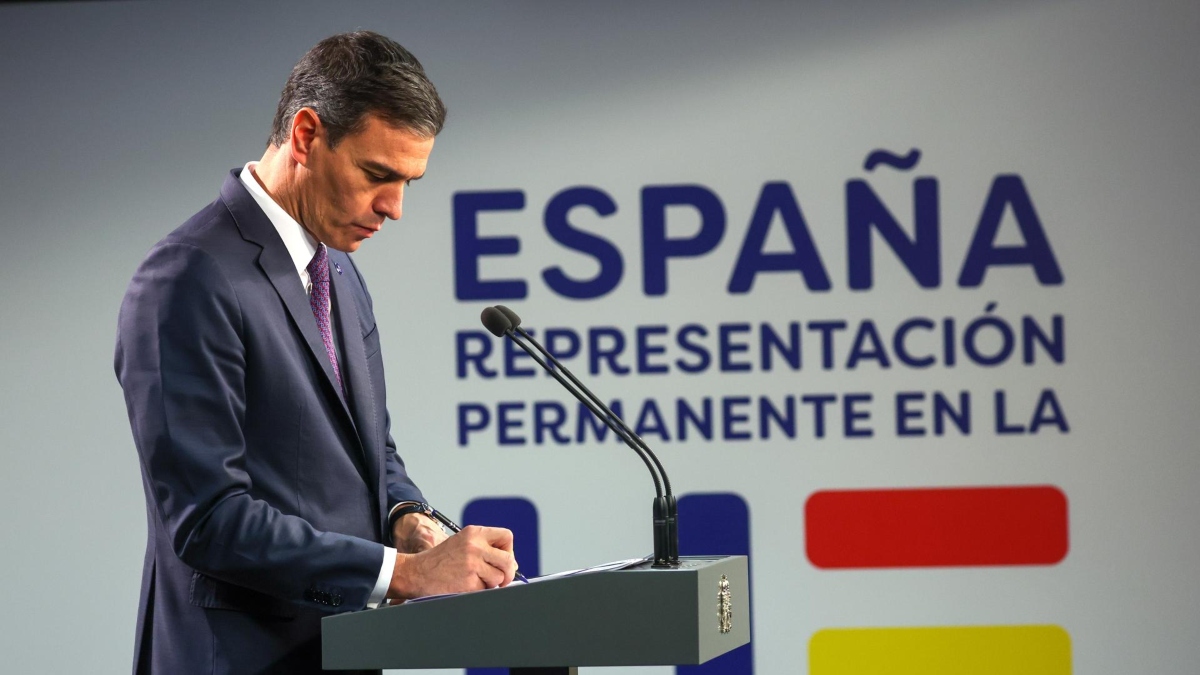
(724, 605)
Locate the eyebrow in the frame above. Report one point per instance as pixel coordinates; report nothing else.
(388, 172)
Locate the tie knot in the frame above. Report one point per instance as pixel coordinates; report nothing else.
(318, 267)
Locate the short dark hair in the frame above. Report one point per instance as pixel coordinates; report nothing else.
(347, 76)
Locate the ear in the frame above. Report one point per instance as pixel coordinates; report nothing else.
(307, 131)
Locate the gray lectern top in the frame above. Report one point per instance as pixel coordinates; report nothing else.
(639, 616)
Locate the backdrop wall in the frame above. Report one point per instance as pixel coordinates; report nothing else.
(1000, 298)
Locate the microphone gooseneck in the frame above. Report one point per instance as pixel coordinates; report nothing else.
(515, 321)
(502, 321)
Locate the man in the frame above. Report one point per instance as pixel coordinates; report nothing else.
(252, 373)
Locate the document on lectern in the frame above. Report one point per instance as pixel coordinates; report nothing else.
(603, 567)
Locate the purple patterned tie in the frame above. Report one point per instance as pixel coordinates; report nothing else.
(318, 298)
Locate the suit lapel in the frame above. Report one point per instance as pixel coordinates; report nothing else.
(355, 373)
(277, 265)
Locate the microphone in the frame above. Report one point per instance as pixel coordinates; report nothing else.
(495, 321)
(502, 321)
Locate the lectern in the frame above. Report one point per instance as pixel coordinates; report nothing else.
(639, 616)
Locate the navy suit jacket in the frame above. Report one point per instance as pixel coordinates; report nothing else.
(267, 489)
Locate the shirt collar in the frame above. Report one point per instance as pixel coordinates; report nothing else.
(299, 243)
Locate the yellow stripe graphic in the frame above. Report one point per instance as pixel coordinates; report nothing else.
(941, 650)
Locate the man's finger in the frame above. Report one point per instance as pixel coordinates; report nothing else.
(499, 537)
(498, 558)
(491, 576)
(503, 562)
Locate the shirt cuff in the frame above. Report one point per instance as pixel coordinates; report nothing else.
(385, 578)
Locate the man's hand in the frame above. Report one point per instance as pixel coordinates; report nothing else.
(474, 559)
(416, 532)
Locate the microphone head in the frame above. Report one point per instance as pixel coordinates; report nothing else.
(495, 321)
(512, 316)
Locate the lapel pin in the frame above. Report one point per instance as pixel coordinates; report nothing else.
(337, 267)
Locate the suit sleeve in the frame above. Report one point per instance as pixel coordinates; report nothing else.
(181, 362)
(400, 488)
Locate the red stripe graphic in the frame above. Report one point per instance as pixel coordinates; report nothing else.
(936, 527)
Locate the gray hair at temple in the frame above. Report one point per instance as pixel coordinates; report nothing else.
(347, 76)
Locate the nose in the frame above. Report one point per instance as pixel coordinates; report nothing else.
(389, 202)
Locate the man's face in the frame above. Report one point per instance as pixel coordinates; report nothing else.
(349, 190)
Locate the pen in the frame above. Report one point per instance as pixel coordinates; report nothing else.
(453, 527)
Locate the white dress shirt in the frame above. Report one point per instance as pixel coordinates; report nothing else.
(302, 247)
